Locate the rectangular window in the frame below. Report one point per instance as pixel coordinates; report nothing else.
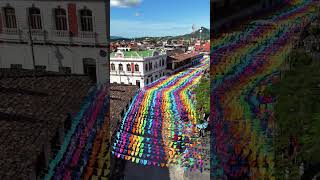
(10, 17)
(86, 20)
(128, 67)
(113, 67)
(35, 18)
(120, 67)
(136, 67)
(61, 19)
(146, 68)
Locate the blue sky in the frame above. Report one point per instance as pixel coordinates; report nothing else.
(137, 18)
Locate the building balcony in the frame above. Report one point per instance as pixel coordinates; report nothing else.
(49, 36)
(60, 33)
(11, 31)
(85, 34)
(87, 38)
(37, 32)
(11, 35)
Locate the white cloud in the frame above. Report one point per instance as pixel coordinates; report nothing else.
(124, 3)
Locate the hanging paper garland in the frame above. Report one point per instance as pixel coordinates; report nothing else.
(240, 63)
(160, 122)
(72, 158)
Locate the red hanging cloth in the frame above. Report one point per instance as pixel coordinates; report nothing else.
(73, 21)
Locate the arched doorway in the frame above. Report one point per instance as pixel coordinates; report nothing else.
(89, 68)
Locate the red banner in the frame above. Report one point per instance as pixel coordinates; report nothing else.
(73, 21)
(132, 67)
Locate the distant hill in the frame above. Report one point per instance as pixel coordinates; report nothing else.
(118, 38)
(205, 35)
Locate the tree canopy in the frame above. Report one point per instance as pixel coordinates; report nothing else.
(297, 113)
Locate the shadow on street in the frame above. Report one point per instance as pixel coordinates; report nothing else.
(135, 171)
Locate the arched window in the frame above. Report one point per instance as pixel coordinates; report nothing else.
(136, 67)
(128, 67)
(35, 18)
(146, 68)
(113, 67)
(120, 67)
(86, 20)
(61, 19)
(10, 17)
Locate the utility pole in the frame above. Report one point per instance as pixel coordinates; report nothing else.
(31, 45)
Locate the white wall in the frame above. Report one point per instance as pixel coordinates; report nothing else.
(19, 52)
(48, 24)
(154, 60)
(127, 79)
(142, 75)
(46, 55)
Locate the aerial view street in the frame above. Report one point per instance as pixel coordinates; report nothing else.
(163, 131)
(246, 129)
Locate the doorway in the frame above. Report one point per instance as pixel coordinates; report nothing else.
(90, 68)
(138, 83)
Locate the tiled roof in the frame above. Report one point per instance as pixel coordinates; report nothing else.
(30, 112)
(182, 56)
(120, 96)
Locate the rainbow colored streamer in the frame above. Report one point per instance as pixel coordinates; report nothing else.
(72, 158)
(159, 125)
(242, 65)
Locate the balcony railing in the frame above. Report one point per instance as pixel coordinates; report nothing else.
(11, 31)
(16, 34)
(59, 33)
(37, 32)
(84, 34)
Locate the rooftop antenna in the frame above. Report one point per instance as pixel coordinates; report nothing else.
(200, 33)
(193, 31)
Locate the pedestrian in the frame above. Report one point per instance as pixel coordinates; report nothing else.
(201, 133)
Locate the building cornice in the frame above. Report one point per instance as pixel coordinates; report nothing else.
(55, 44)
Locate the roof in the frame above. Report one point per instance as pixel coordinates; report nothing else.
(182, 56)
(135, 54)
(204, 47)
(29, 116)
(120, 96)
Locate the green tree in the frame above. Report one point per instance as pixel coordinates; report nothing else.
(202, 92)
(297, 114)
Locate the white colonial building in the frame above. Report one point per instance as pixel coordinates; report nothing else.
(137, 67)
(67, 35)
